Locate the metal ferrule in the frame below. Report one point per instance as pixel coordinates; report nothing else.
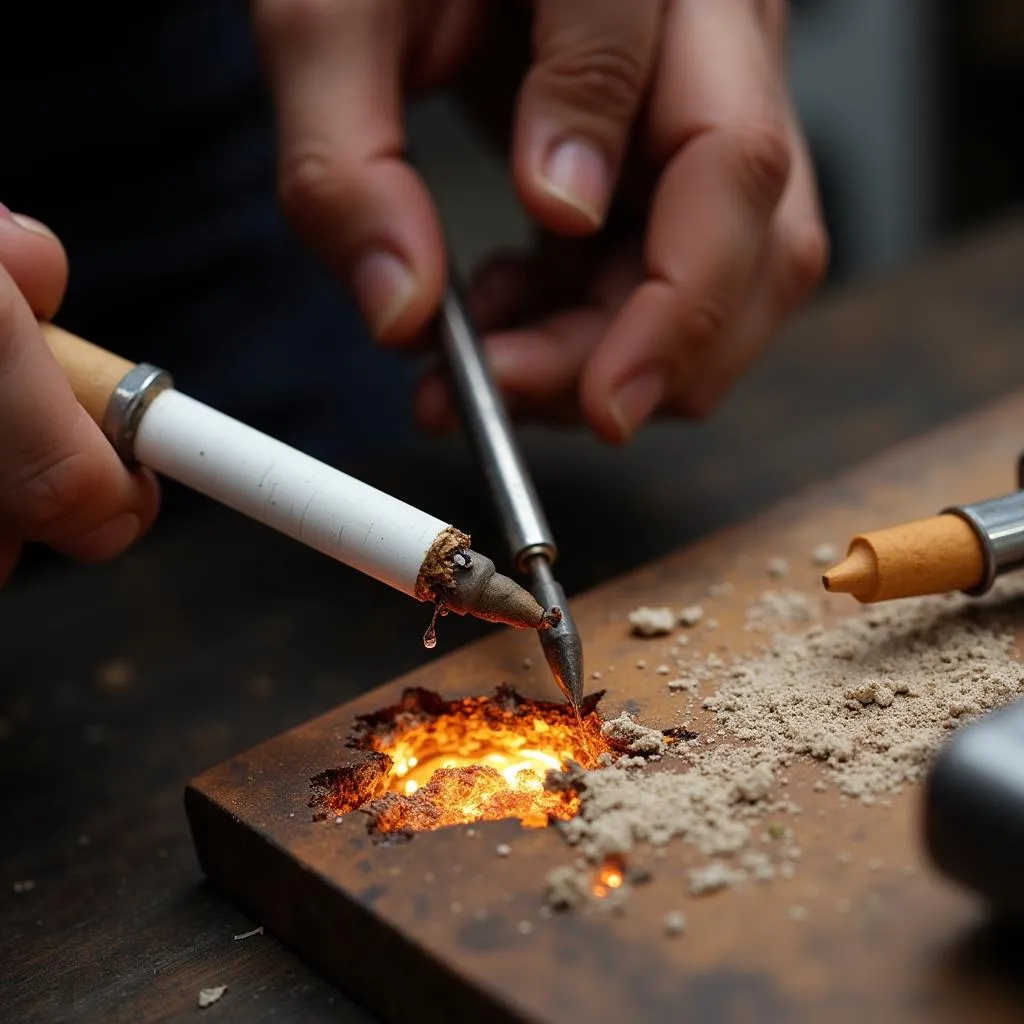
(128, 404)
(490, 431)
(999, 525)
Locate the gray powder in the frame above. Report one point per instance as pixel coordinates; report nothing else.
(871, 699)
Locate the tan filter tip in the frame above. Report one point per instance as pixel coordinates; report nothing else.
(927, 556)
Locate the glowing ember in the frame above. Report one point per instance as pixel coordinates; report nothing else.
(610, 876)
(432, 763)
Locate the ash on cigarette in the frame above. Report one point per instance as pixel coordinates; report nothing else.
(871, 699)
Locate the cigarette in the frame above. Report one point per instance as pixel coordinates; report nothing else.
(150, 423)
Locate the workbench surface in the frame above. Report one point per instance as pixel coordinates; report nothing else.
(233, 634)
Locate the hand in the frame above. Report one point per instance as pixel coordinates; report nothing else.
(672, 115)
(60, 480)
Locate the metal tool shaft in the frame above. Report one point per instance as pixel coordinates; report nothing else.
(490, 432)
(529, 537)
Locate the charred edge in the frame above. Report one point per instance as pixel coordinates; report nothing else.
(437, 571)
(418, 705)
(341, 790)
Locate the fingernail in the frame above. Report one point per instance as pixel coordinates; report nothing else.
(578, 174)
(33, 225)
(5, 214)
(105, 541)
(636, 399)
(384, 287)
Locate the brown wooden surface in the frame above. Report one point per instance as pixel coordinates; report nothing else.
(315, 884)
(235, 635)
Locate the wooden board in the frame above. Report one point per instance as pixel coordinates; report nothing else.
(380, 920)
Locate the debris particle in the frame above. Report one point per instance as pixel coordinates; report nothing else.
(713, 877)
(567, 887)
(626, 733)
(675, 922)
(503, 849)
(208, 996)
(652, 621)
(824, 555)
(690, 685)
(527, 663)
(844, 857)
(641, 664)
(711, 624)
(116, 674)
(595, 675)
(875, 864)
(721, 590)
(524, 927)
(456, 907)
(777, 568)
(756, 784)
(691, 615)
(249, 935)
(775, 608)
(25, 886)
(662, 670)
(798, 913)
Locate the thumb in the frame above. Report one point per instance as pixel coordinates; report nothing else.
(592, 62)
(335, 70)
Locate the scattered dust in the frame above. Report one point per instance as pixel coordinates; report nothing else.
(662, 670)
(775, 608)
(524, 927)
(503, 849)
(628, 735)
(798, 913)
(567, 887)
(596, 675)
(825, 555)
(690, 685)
(717, 590)
(26, 886)
(249, 935)
(872, 699)
(209, 996)
(675, 922)
(691, 615)
(652, 621)
(777, 568)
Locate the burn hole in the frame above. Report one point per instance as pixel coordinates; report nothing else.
(427, 763)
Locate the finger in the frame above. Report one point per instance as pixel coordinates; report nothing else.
(60, 480)
(335, 70)
(793, 265)
(717, 119)
(592, 62)
(35, 259)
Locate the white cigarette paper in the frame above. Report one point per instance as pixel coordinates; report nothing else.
(289, 491)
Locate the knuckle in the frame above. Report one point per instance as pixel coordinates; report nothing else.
(610, 76)
(805, 255)
(762, 159)
(707, 323)
(310, 185)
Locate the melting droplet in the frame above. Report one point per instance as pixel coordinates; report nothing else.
(430, 636)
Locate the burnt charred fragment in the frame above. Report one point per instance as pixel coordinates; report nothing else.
(677, 732)
(341, 790)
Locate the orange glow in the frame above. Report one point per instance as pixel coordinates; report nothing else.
(442, 763)
(610, 875)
